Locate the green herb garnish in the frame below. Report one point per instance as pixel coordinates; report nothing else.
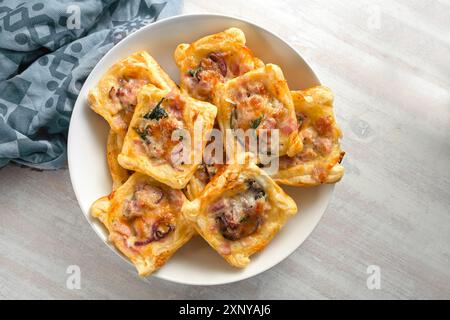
(244, 219)
(157, 113)
(194, 72)
(300, 119)
(141, 133)
(255, 123)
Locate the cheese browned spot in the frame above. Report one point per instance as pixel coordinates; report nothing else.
(257, 109)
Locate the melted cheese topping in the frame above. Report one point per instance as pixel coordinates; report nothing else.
(215, 68)
(147, 215)
(155, 132)
(240, 215)
(319, 160)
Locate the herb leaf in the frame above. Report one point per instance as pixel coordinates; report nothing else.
(194, 72)
(244, 219)
(157, 113)
(255, 123)
(141, 133)
(300, 118)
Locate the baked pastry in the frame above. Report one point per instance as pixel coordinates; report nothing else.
(213, 160)
(240, 211)
(144, 221)
(259, 100)
(167, 135)
(319, 161)
(202, 176)
(115, 96)
(113, 147)
(212, 60)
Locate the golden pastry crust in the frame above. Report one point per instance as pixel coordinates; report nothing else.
(202, 176)
(149, 147)
(319, 161)
(213, 159)
(115, 94)
(240, 211)
(144, 221)
(113, 148)
(261, 100)
(212, 60)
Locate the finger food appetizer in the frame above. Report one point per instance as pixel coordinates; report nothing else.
(167, 184)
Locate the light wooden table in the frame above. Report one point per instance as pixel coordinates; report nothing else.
(388, 64)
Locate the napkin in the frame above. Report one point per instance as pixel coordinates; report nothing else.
(47, 50)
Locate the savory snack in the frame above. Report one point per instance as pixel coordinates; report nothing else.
(202, 176)
(260, 100)
(213, 160)
(149, 145)
(162, 148)
(240, 211)
(212, 60)
(113, 147)
(144, 221)
(319, 161)
(115, 96)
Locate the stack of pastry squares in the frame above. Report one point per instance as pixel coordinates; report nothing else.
(164, 190)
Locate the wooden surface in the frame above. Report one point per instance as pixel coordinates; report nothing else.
(388, 64)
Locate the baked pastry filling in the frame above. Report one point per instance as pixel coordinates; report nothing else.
(317, 141)
(143, 228)
(216, 67)
(205, 172)
(156, 127)
(240, 215)
(124, 97)
(256, 109)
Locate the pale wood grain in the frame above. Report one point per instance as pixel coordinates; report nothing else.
(392, 208)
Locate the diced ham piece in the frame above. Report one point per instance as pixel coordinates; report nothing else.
(219, 60)
(121, 228)
(149, 196)
(132, 208)
(324, 126)
(288, 127)
(268, 124)
(324, 145)
(128, 90)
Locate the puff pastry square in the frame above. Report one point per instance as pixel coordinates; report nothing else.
(240, 211)
(212, 60)
(319, 161)
(114, 97)
(150, 146)
(144, 221)
(202, 176)
(260, 99)
(113, 148)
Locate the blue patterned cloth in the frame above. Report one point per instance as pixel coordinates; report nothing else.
(47, 49)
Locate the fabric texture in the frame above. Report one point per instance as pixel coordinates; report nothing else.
(47, 50)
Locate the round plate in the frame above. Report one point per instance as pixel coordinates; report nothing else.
(195, 263)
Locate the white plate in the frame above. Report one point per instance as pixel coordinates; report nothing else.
(196, 263)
